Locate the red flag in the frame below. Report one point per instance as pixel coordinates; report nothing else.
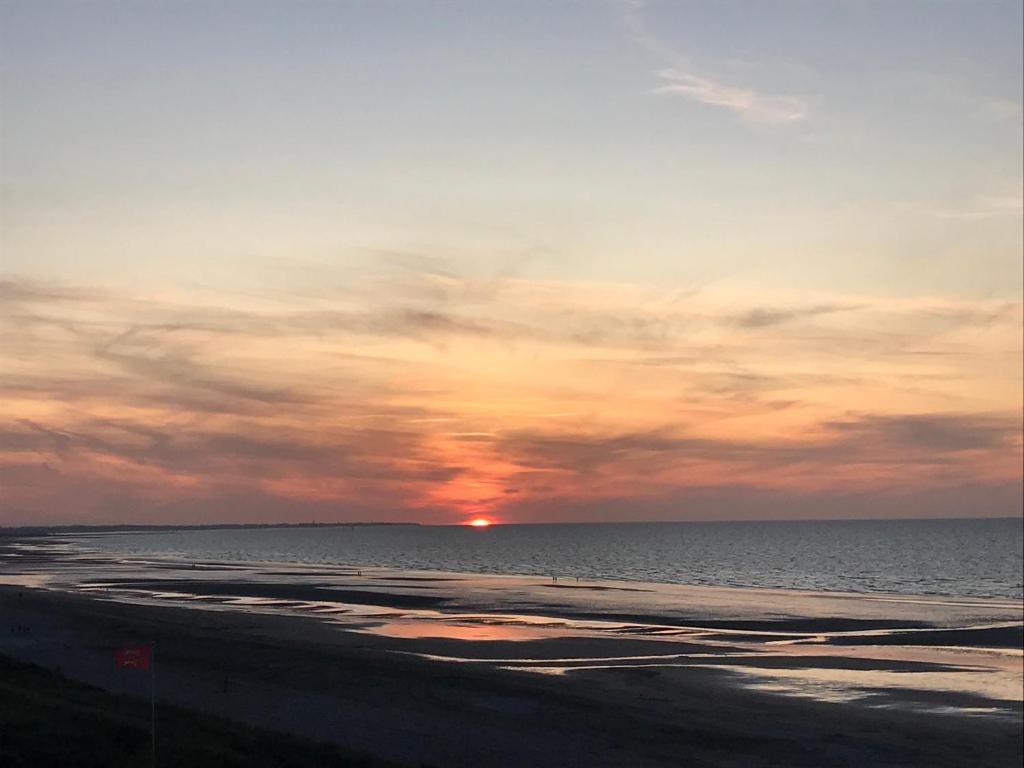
(133, 657)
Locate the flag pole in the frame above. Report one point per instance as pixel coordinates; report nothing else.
(152, 698)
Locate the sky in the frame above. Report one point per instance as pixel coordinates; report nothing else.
(603, 260)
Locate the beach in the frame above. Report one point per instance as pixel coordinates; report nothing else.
(448, 669)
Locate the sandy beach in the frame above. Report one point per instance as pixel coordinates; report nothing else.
(457, 670)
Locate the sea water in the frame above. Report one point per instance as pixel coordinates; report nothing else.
(980, 558)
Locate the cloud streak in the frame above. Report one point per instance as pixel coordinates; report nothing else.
(896, 441)
(679, 78)
(744, 102)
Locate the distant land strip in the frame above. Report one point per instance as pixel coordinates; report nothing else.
(49, 530)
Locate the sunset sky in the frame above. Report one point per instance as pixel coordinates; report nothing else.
(536, 261)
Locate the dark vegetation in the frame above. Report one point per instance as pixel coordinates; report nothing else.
(48, 721)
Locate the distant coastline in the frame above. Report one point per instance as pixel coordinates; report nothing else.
(78, 530)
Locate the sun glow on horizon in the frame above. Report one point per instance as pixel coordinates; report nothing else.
(479, 522)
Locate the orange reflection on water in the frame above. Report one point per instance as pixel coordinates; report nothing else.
(427, 629)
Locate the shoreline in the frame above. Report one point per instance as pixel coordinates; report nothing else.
(732, 676)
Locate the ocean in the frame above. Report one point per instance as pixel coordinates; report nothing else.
(979, 558)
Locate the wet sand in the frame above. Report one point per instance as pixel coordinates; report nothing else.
(453, 670)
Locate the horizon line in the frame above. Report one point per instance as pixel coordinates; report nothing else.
(112, 527)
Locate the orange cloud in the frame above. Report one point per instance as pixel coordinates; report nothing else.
(448, 398)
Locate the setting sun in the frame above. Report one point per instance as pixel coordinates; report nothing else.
(479, 522)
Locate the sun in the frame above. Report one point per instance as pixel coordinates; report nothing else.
(479, 522)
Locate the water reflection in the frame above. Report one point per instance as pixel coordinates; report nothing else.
(456, 631)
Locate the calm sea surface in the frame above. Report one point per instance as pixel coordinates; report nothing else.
(948, 557)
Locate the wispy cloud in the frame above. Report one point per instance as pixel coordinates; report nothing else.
(986, 207)
(1005, 109)
(763, 317)
(744, 102)
(682, 78)
(901, 440)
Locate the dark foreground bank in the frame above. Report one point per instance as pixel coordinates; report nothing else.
(50, 721)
